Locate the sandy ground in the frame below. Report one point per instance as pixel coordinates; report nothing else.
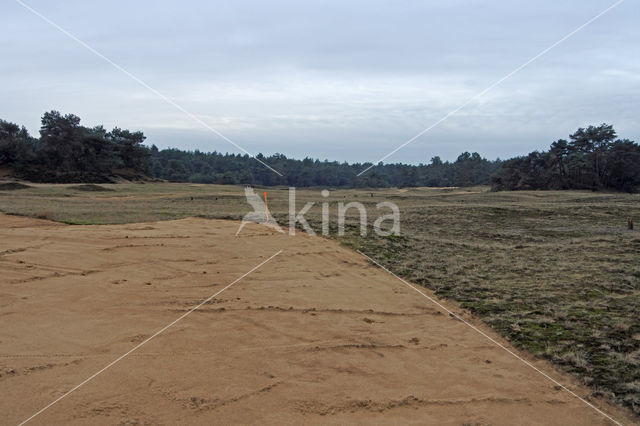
(316, 335)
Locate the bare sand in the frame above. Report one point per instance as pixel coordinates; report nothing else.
(316, 335)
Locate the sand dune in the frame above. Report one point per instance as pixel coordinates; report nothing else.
(316, 335)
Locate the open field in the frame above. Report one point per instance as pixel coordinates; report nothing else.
(556, 273)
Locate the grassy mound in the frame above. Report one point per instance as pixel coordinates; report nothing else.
(90, 187)
(12, 186)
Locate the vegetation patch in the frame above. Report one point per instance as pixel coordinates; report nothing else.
(90, 187)
(12, 186)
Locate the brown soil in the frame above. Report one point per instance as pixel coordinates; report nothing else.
(316, 335)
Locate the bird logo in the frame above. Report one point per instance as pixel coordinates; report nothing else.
(260, 213)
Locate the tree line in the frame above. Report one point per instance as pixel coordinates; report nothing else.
(593, 158)
(195, 166)
(69, 152)
(66, 151)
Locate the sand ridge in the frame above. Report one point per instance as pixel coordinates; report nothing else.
(316, 335)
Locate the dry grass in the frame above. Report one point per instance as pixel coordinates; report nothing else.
(557, 273)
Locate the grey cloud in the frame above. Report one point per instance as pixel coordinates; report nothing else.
(328, 79)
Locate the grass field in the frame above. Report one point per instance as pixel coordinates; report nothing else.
(557, 273)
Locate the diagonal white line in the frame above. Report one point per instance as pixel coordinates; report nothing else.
(88, 379)
(498, 82)
(458, 317)
(144, 84)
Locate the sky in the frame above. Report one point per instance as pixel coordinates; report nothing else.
(338, 80)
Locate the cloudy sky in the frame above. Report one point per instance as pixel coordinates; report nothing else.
(343, 80)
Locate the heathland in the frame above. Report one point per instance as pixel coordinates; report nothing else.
(556, 273)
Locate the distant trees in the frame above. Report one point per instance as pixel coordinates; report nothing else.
(180, 166)
(16, 145)
(66, 151)
(61, 141)
(69, 152)
(593, 158)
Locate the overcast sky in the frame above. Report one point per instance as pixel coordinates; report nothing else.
(343, 80)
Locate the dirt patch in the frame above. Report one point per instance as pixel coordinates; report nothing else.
(316, 335)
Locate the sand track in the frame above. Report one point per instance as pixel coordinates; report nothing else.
(317, 335)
